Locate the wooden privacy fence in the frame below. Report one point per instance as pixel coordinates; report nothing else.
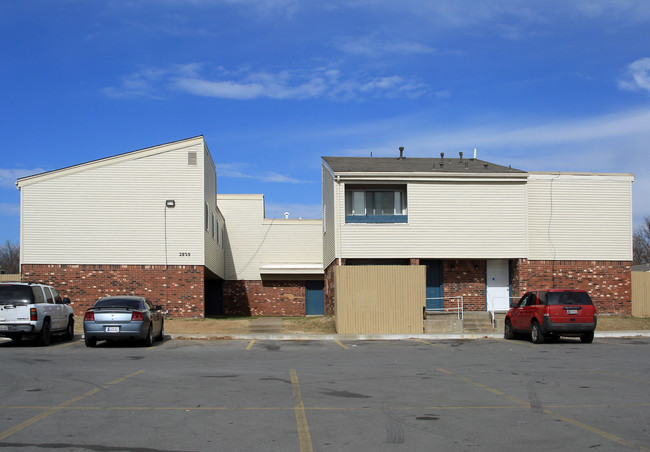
(380, 299)
(10, 277)
(641, 294)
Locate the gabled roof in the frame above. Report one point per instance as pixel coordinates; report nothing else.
(415, 165)
(27, 180)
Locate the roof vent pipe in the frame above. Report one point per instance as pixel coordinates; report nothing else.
(474, 152)
(442, 155)
(286, 215)
(401, 153)
(461, 155)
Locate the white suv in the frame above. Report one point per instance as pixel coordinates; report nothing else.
(34, 311)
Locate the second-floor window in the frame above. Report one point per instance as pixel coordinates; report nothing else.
(375, 205)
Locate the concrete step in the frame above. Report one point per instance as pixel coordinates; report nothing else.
(472, 323)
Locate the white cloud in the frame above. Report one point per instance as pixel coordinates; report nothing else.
(246, 84)
(237, 171)
(637, 76)
(8, 176)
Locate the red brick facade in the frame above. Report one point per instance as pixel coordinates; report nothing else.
(464, 278)
(273, 298)
(608, 282)
(330, 288)
(182, 285)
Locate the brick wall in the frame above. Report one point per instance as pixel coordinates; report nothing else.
(182, 285)
(608, 282)
(275, 298)
(330, 301)
(466, 278)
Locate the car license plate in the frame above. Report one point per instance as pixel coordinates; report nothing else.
(572, 311)
(112, 329)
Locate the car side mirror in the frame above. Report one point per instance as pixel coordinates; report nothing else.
(66, 300)
(513, 304)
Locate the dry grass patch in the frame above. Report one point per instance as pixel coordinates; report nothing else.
(309, 325)
(622, 323)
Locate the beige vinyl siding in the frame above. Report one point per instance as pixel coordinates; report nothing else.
(580, 216)
(114, 213)
(214, 255)
(253, 241)
(446, 219)
(329, 218)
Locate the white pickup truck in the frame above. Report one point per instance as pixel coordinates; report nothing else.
(34, 311)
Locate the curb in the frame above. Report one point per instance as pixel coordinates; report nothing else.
(378, 337)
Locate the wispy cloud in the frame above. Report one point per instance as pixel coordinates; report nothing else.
(372, 46)
(8, 176)
(240, 171)
(247, 84)
(637, 76)
(9, 209)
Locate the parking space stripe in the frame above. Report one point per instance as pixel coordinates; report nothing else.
(301, 418)
(250, 345)
(589, 428)
(337, 341)
(430, 343)
(53, 410)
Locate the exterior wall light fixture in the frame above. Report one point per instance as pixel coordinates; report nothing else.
(170, 203)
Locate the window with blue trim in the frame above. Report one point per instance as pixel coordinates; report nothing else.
(379, 204)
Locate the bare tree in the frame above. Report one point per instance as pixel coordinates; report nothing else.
(10, 258)
(641, 243)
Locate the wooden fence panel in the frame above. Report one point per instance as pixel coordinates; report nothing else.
(380, 299)
(641, 294)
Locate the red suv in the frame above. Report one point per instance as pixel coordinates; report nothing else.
(552, 313)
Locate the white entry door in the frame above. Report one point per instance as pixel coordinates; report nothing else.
(497, 289)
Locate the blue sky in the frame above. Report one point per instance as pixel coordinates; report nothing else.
(544, 85)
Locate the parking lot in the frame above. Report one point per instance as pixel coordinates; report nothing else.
(414, 394)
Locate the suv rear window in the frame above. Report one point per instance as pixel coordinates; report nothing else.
(564, 298)
(14, 294)
(119, 303)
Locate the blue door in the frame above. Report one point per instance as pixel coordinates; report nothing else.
(434, 284)
(315, 297)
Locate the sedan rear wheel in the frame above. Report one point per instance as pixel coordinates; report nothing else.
(536, 333)
(148, 341)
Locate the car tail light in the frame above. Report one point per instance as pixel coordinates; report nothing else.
(89, 316)
(33, 314)
(137, 316)
(547, 311)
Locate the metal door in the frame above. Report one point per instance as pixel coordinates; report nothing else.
(434, 285)
(497, 288)
(315, 297)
